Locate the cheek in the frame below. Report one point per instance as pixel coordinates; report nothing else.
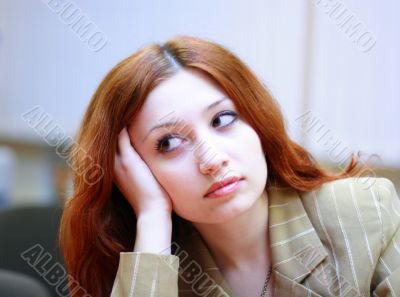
(254, 154)
(182, 186)
(172, 179)
(252, 142)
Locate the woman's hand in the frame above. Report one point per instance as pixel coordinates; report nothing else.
(136, 181)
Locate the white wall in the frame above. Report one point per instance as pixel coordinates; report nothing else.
(43, 62)
(354, 88)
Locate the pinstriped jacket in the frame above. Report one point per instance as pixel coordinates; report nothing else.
(342, 239)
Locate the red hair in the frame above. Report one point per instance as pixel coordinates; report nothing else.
(98, 223)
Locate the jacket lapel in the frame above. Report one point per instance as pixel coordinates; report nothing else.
(287, 287)
(295, 246)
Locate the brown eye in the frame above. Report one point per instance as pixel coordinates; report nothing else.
(225, 117)
(167, 141)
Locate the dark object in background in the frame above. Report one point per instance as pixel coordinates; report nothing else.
(14, 284)
(32, 232)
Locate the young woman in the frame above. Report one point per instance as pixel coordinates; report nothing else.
(201, 192)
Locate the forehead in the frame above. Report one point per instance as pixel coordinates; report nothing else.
(184, 95)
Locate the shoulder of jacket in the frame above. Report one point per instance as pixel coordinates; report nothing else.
(368, 190)
(359, 184)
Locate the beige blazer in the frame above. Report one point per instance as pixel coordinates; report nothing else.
(340, 240)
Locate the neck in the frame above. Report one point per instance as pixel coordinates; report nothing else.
(241, 242)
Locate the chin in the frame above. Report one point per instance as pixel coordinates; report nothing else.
(225, 215)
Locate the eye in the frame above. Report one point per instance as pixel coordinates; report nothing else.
(224, 119)
(167, 140)
(226, 115)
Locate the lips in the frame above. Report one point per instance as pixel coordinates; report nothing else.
(221, 184)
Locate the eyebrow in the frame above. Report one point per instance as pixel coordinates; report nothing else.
(168, 124)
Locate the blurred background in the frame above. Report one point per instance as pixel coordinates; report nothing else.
(333, 66)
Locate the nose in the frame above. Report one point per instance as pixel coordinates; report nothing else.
(211, 160)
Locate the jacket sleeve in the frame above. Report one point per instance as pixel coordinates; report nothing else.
(146, 275)
(387, 272)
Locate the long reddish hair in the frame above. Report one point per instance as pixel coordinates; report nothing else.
(98, 223)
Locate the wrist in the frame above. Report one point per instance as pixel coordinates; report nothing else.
(154, 216)
(153, 232)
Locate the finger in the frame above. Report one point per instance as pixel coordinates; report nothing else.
(124, 141)
(128, 150)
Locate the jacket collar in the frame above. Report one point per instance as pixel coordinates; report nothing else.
(295, 246)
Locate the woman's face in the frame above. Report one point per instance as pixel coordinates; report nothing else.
(205, 143)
